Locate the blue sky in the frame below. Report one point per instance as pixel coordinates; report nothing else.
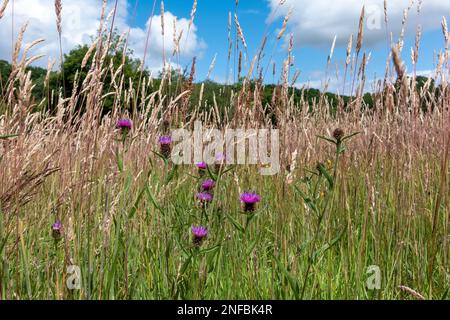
(310, 58)
(211, 20)
(313, 24)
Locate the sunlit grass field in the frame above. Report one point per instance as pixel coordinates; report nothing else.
(127, 222)
(90, 209)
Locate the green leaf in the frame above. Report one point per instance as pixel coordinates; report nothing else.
(309, 202)
(119, 161)
(192, 176)
(152, 199)
(341, 149)
(4, 241)
(211, 174)
(444, 296)
(228, 170)
(314, 173)
(329, 245)
(327, 175)
(172, 174)
(183, 249)
(250, 217)
(292, 281)
(166, 161)
(235, 223)
(253, 245)
(327, 139)
(350, 136)
(208, 250)
(8, 136)
(185, 265)
(136, 204)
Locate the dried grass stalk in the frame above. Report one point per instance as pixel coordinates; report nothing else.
(3, 8)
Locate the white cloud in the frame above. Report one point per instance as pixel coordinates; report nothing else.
(193, 46)
(317, 22)
(424, 73)
(318, 79)
(80, 20)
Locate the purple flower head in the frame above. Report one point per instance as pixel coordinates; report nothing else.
(56, 229)
(208, 184)
(165, 140)
(249, 197)
(199, 233)
(57, 226)
(205, 197)
(124, 124)
(165, 145)
(201, 165)
(250, 200)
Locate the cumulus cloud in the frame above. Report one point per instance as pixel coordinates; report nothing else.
(317, 22)
(80, 22)
(320, 80)
(190, 44)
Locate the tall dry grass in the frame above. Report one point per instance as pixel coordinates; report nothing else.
(390, 206)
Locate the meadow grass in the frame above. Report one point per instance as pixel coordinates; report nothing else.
(129, 229)
(126, 213)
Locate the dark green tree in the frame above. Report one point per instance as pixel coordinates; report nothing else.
(73, 62)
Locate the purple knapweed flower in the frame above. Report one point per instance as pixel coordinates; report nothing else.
(165, 140)
(56, 229)
(199, 234)
(124, 124)
(208, 184)
(165, 144)
(250, 200)
(204, 197)
(202, 167)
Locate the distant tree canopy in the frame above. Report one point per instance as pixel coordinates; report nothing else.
(73, 62)
(131, 71)
(37, 76)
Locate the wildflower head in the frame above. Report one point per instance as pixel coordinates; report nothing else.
(338, 134)
(165, 145)
(250, 200)
(56, 230)
(165, 140)
(204, 197)
(208, 184)
(202, 167)
(199, 234)
(124, 124)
